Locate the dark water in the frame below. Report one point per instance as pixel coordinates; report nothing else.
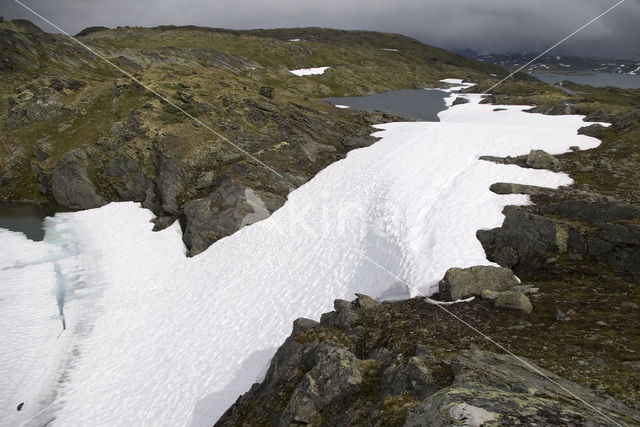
(26, 218)
(624, 81)
(412, 103)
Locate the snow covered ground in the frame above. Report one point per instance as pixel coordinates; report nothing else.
(155, 338)
(309, 71)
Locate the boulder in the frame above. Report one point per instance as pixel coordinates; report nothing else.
(460, 283)
(342, 317)
(513, 300)
(524, 241)
(335, 376)
(539, 159)
(266, 91)
(71, 187)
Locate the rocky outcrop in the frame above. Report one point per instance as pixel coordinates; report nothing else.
(607, 232)
(70, 184)
(461, 283)
(524, 241)
(334, 373)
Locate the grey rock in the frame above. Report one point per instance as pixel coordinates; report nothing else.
(365, 302)
(122, 165)
(185, 97)
(225, 210)
(303, 324)
(266, 91)
(459, 100)
(342, 317)
(334, 377)
(510, 188)
(205, 180)
(629, 305)
(489, 294)
(524, 241)
(539, 159)
(71, 187)
(514, 300)
(595, 130)
(460, 283)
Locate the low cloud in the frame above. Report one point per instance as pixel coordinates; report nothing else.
(488, 25)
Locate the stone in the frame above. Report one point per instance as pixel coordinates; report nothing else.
(629, 305)
(122, 165)
(489, 294)
(459, 100)
(366, 302)
(303, 324)
(459, 283)
(524, 241)
(266, 91)
(335, 376)
(509, 188)
(472, 416)
(71, 187)
(185, 97)
(514, 300)
(342, 317)
(540, 159)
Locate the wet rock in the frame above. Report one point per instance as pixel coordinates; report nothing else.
(461, 283)
(539, 159)
(514, 300)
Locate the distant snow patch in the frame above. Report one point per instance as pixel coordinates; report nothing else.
(294, 40)
(309, 71)
(389, 49)
(341, 106)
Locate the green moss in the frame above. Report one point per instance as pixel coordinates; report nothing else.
(395, 409)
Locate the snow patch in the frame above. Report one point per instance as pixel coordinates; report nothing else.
(154, 337)
(341, 106)
(309, 71)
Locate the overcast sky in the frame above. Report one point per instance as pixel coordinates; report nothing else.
(495, 26)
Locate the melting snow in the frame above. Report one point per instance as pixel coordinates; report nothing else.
(309, 71)
(155, 338)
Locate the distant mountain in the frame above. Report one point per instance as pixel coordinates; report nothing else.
(554, 63)
(557, 63)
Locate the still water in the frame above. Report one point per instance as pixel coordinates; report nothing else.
(411, 103)
(624, 81)
(25, 217)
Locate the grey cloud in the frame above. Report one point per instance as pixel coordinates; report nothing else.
(487, 25)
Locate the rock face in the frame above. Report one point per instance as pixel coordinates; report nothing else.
(608, 232)
(524, 240)
(332, 373)
(461, 283)
(70, 185)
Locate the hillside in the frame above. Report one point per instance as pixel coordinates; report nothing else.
(79, 134)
